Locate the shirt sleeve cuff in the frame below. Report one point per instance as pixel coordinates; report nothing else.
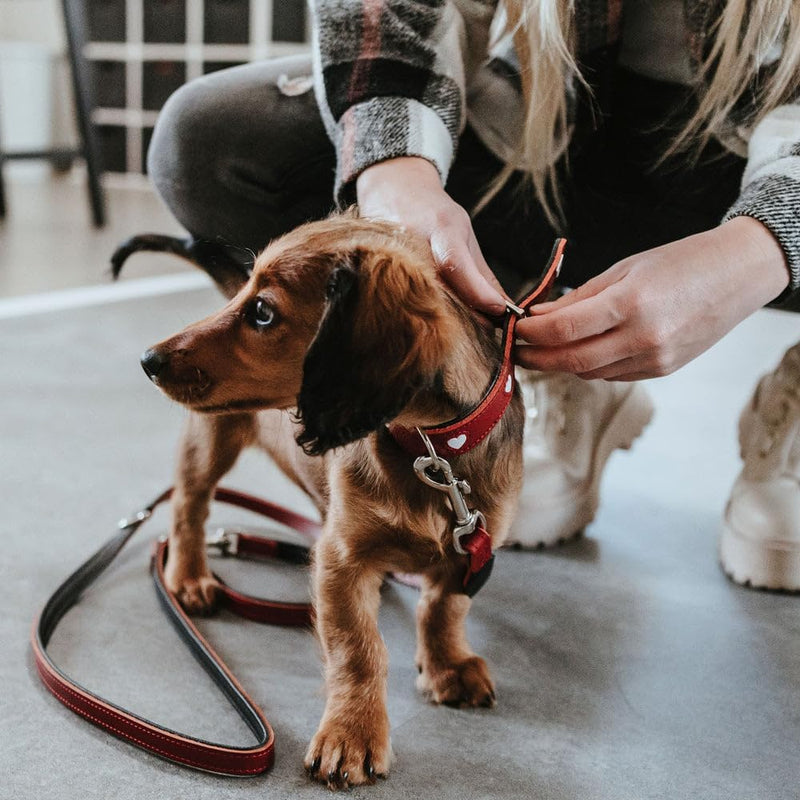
(774, 200)
(771, 185)
(384, 128)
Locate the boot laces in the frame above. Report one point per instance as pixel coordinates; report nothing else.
(788, 413)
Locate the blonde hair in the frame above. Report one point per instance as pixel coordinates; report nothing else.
(746, 35)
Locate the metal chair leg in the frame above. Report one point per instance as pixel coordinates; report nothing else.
(2, 185)
(74, 17)
(2, 191)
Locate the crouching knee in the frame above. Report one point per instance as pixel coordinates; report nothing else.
(182, 150)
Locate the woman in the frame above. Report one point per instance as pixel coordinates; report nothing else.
(664, 142)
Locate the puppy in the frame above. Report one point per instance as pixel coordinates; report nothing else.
(342, 327)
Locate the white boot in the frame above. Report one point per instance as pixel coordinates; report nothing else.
(760, 541)
(572, 428)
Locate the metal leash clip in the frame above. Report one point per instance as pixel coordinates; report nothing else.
(466, 519)
(136, 520)
(223, 542)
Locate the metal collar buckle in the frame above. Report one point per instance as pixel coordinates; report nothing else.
(513, 309)
(466, 519)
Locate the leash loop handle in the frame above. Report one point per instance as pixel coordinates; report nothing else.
(168, 744)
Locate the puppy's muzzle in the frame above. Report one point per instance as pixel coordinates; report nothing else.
(175, 375)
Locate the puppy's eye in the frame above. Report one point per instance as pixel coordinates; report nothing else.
(262, 315)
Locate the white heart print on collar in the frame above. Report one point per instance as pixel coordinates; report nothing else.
(457, 442)
(509, 383)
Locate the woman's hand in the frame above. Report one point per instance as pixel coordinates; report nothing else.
(653, 312)
(409, 191)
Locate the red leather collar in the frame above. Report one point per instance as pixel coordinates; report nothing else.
(461, 434)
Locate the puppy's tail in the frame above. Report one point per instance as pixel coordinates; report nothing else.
(228, 266)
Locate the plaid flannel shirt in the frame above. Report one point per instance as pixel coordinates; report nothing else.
(402, 77)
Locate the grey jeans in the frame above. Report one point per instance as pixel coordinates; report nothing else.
(237, 160)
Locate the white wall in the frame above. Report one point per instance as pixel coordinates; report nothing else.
(32, 21)
(40, 22)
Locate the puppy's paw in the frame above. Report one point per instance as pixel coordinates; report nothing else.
(466, 684)
(341, 756)
(197, 595)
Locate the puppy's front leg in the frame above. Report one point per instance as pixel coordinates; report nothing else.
(209, 447)
(449, 671)
(352, 744)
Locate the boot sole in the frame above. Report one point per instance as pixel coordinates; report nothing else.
(628, 423)
(757, 564)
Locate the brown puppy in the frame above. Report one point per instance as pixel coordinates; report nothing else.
(345, 321)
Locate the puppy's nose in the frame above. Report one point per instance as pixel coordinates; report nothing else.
(153, 363)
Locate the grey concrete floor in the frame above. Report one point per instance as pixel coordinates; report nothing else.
(47, 242)
(627, 666)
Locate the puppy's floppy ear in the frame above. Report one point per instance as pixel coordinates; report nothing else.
(382, 338)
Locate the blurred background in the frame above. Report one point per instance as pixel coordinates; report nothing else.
(81, 85)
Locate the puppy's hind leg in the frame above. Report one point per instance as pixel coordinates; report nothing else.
(449, 671)
(209, 448)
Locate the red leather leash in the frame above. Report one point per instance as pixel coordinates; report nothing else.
(428, 445)
(187, 750)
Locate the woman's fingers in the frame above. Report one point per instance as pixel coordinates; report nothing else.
(483, 266)
(630, 368)
(591, 288)
(632, 376)
(618, 370)
(458, 269)
(582, 358)
(573, 322)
